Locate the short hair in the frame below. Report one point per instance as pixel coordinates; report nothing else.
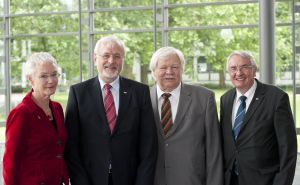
(163, 53)
(244, 54)
(109, 39)
(37, 59)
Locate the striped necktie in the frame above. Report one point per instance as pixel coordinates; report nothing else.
(109, 106)
(239, 117)
(166, 113)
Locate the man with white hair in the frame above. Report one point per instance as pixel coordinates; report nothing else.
(259, 137)
(112, 137)
(186, 118)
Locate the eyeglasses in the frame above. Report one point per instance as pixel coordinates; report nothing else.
(45, 77)
(108, 56)
(242, 68)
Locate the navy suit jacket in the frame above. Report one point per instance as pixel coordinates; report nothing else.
(266, 148)
(131, 148)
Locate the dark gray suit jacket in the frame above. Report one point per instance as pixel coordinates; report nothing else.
(266, 148)
(191, 153)
(132, 147)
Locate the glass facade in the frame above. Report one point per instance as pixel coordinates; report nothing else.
(207, 31)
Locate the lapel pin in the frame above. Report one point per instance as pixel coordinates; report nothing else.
(256, 98)
(39, 117)
(125, 92)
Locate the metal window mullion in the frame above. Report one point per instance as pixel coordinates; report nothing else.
(80, 38)
(91, 37)
(6, 58)
(165, 22)
(294, 61)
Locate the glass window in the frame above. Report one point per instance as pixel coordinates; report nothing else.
(121, 3)
(123, 20)
(213, 15)
(44, 24)
(41, 6)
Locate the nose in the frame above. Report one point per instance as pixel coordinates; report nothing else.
(169, 70)
(111, 59)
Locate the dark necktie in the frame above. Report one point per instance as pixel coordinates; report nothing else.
(239, 117)
(166, 113)
(109, 106)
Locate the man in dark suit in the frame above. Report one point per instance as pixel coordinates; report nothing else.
(259, 137)
(112, 135)
(187, 124)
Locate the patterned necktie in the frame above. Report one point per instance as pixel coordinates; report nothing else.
(166, 113)
(239, 117)
(109, 106)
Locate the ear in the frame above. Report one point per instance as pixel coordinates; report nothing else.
(30, 79)
(95, 59)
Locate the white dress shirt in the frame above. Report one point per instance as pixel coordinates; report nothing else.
(249, 94)
(115, 89)
(174, 100)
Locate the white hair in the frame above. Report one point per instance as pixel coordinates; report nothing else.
(163, 53)
(109, 39)
(244, 54)
(39, 58)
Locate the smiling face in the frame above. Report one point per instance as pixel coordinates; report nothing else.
(44, 80)
(168, 72)
(109, 59)
(242, 73)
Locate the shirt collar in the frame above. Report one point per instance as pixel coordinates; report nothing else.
(115, 84)
(249, 93)
(175, 93)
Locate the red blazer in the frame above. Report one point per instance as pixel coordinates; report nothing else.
(34, 148)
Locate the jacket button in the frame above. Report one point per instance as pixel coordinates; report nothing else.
(59, 156)
(59, 143)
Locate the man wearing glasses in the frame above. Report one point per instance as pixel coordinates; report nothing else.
(112, 135)
(259, 137)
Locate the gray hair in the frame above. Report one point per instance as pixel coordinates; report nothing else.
(163, 53)
(244, 54)
(109, 39)
(37, 59)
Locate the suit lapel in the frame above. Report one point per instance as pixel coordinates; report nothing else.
(183, 105)
(154, 99)
(125, 94)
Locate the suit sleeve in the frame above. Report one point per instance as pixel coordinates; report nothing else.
(17, 131)
(148, 145)
(214, 162)
(77, 173)
(287, 142)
